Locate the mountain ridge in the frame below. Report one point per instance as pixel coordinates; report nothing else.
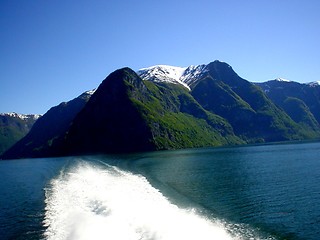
(22, 116)
(48, 130)
(164, 107)
(305, 95)
(147, 74)
(13, 127)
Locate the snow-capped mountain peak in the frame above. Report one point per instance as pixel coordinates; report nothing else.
(314, 84)
(177, 75)
(21, 116)
(169, 71)
(163, 73)
(282, 80)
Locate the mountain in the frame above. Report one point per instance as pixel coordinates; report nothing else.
(13, 127)
(218, 89)
(128, 114)
(300, 101)
(49, 130)
(314, 84)
(166, 107)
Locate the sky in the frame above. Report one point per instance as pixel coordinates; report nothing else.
(52, 51)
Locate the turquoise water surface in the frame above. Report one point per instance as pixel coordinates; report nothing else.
(251, 192)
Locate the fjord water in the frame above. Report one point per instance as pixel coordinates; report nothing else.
(251, 192)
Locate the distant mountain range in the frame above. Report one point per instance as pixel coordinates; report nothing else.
(13, 127)
(48, 129)
(300, 101)
(166, 107)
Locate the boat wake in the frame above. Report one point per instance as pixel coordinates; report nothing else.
(104, 202)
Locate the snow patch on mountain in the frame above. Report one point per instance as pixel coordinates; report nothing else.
(91, 92)
(193, 73)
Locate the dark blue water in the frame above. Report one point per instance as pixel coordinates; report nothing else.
(252, 192)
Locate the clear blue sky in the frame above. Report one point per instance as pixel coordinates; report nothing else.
(52, 51)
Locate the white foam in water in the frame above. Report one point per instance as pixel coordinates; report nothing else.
(91, 202)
